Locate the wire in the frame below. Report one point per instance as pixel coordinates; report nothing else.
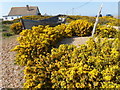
(78, 7)
(83, 4)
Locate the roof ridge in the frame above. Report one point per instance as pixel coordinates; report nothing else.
(24, 7)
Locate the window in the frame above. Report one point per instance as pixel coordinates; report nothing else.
(11, 17)
(6, 18)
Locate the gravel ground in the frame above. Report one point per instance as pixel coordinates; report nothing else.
(74, 41)
(11, 74)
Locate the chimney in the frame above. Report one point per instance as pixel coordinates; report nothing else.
(28, 7)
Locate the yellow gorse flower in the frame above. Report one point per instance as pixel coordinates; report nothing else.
(94, 64)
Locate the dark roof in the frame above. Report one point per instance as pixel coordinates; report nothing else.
(23, 11)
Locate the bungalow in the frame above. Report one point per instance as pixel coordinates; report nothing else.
(17, 12)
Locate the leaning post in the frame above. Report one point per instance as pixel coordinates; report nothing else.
(23, 26)
(97, 19)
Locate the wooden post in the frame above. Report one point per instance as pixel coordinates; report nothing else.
(97, 19)
(23, 26)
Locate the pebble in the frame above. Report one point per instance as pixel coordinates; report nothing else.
(11, 74)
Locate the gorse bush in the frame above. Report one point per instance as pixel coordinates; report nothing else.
(16, 28)
(33, 17)
(106, 31)
(102, 20)
(80, 28)
(77, 17)
(37, 41)
(36, 17)
(109, 20)
(93, 65)
(41, 39)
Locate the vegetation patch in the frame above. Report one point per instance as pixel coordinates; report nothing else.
(93, 65)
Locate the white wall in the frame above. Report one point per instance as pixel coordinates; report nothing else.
(9, 18)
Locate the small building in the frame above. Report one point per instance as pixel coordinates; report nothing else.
(17, 12)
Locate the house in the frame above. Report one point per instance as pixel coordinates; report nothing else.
(17, 12)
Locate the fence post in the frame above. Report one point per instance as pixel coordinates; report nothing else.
(97, 19)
